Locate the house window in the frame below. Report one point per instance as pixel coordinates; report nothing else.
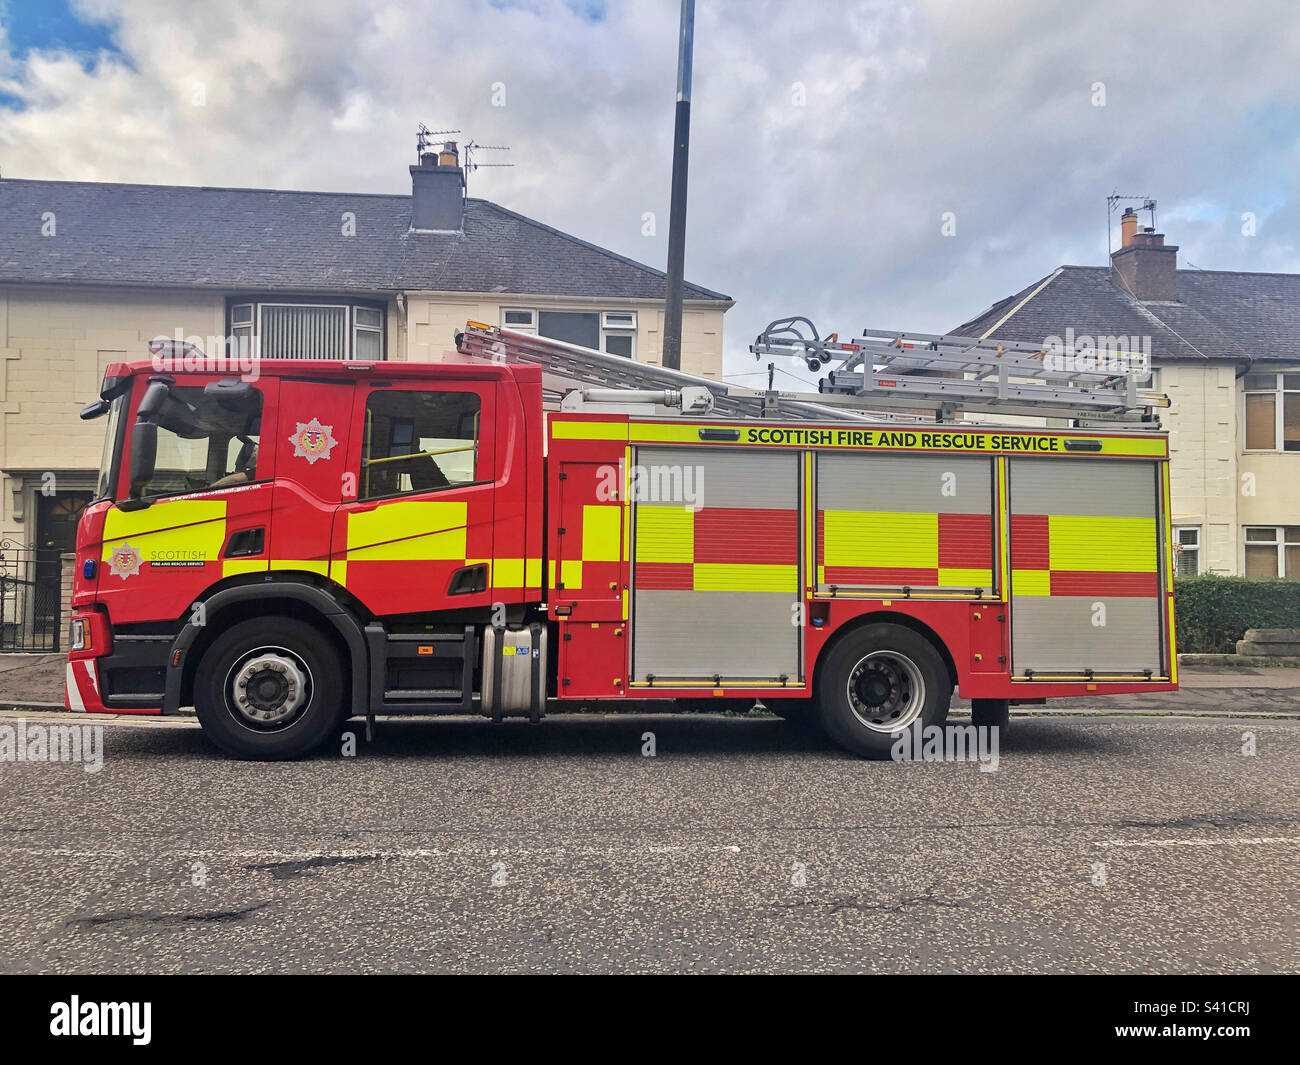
(520, 321)
(1272, 411)
(1187, 550)
(309, 329)
(1272, 550)
(613, 332)
(418, 442)
(618, 333)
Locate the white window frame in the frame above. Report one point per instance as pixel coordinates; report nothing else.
(1279, 542)
(358, 328)
(619, 324)
(353, 326)
(530, 328)
(612, 323)
(1279, 392)
(1193, 549)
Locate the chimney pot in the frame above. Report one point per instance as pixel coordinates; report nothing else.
(1128, 227)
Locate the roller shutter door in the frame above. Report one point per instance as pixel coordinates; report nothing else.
(714, 586)
(905, 521)
(1085, 574)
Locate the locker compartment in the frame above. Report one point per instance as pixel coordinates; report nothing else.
(716, 566)
(890, 521)
(1086, 568)
(593, 659)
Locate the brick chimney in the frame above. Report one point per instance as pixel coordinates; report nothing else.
(1146, 265)
(438, 192)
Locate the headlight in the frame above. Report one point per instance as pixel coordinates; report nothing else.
(77, 635)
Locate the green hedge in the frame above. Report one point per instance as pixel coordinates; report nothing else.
(1213, 613)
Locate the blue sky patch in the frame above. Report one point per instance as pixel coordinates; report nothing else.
(52, 25)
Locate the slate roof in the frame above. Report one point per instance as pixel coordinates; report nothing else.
(188, 236)
(1219, 314)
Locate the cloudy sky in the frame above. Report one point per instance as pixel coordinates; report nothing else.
(830, 139)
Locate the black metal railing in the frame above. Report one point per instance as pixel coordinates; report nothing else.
(31, 597)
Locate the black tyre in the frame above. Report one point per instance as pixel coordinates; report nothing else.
(270, 688)
(877, 681)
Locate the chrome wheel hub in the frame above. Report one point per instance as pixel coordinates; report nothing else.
(269, 687)
(886, 691)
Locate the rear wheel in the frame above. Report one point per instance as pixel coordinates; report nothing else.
(269, 688)
(878, 681)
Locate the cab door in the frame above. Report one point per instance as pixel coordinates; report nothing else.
(419, 534)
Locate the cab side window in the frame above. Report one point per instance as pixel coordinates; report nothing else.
(418, 442)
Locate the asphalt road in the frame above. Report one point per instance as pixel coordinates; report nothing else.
(1098, 845)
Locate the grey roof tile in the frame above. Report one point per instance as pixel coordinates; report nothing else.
(171, 235)
(1219, 314)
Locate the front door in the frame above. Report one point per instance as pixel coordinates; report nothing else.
(56, 534)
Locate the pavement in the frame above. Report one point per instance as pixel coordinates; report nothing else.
(1099, 844)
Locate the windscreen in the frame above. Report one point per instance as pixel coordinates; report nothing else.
(203, 444)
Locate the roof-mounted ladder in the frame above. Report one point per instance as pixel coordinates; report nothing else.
(947, 375)
(883, 376)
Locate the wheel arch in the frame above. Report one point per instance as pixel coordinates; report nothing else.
(892, 617)
(230, 605)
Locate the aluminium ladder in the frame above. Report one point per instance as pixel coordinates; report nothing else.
(883, 376)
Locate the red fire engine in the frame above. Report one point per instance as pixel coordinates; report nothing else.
(339, 539)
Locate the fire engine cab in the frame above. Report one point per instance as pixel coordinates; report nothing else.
(493, 533)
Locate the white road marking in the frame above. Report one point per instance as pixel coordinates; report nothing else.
(399, 854)
(1251, 841)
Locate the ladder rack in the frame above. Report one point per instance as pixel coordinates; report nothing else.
(883, 376)
(947, 375)
(570, 367)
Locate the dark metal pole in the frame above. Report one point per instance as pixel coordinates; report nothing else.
(677, 217)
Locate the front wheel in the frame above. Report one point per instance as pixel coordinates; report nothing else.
(878, 681)
(270, 688)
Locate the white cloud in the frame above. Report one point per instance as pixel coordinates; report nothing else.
(831, 209)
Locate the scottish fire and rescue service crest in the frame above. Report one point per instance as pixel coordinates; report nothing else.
(312, 441)
(125, 561)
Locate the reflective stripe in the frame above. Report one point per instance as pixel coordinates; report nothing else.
(193, 530)
(570, 574)
(162, 516)
(512, 572)
(665, 533)
(1031, 582)
(75, 702)
(602, 532)
(408, 531)
(878, 538)
(1095, 543)
(584, 430)
(320, 566)
(722, 577)
(233, 567)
